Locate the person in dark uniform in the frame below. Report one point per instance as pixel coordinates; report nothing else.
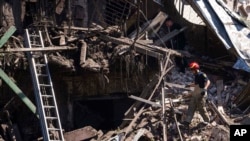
(199, 95)
(177, 43)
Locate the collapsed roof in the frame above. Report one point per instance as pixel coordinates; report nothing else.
(232, 29)
(96, 45)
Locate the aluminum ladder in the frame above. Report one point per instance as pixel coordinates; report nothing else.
(43, 89)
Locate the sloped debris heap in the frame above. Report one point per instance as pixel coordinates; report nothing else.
(149, 124)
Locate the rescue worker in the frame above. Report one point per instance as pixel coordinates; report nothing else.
(177, 43)
(199, 95)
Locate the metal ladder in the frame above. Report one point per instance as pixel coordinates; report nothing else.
(43, 88)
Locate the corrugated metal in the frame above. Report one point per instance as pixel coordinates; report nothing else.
(214, 22)
(229, 29)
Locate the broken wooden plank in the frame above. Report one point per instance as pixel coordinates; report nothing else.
(83, 52)
(139, 134)
(54, 48)
(151, 50)
(221, 116)
(7, 35)
(139, 48)
(79, 28)
(154, 104)
(164, 121)
(18, 92)
(168, 36)
(175, 119)
(166, 69)
(145, 41)
(171, 85)
(146, 91)
(80, 134)
(144, 94)
(153, 26)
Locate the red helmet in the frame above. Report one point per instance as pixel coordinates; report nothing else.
(194, 65)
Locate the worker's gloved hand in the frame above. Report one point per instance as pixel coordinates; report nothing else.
(203, 92)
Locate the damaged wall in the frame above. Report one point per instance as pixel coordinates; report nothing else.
(75, 86)
(207, 41)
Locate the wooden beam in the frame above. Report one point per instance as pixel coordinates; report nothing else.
(171, 85)
(54, 48)
(145, 101)
(175, 118)
(7, 35)
(139, 48)
(151, 27)
(18, 92)
(169, 36)
(151, 50)
(165, 70)
(81, 134)
(222, 117)
(79, 28)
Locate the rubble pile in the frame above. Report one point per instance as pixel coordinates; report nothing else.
(158, 112)
(148, 125)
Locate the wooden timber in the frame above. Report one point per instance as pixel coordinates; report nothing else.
(151, 50)
(54, 48)
(165, 69)
(169, 36)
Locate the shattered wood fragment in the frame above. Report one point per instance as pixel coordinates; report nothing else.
(168, 36)
(164, 70)
(79, 28)
(145, 93)
(83, 52)
(145, 41)
(7, 35)
(145, 101)
(171, 85)
(175, 119)
(151, 27)
(48, 49)
(150, 50)
(164, 120)
(222, 117)
(138, 48)
(80, 134)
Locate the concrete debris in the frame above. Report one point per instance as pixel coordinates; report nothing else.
(80, 134)
(149, 124)
(158, 111)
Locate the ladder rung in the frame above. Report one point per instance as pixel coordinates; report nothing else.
(36, 56)
(49, 106)
(45, 85)
(51, 118)
(47, 95)
(31, 35)
(41, 71)
(40, 65)
(36, 45)
(43, 75)
(55, 129)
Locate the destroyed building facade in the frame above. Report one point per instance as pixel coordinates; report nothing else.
(106, 70)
